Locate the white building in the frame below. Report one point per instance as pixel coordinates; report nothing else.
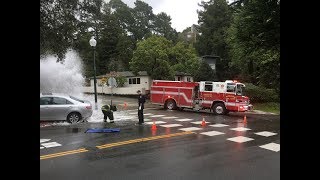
(134, 83)
(141, 82)
(181, 76)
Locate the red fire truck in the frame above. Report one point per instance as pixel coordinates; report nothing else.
(221, 97)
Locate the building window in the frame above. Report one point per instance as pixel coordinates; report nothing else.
(188, 79)
(179, 78)
(134, 80)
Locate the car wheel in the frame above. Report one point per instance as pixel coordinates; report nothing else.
(171, 104)
(73, 117)
(219, 109)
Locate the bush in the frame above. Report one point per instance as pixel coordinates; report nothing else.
(260, 94)
(121, 80)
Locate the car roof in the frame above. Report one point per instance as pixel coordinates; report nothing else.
(54, 94)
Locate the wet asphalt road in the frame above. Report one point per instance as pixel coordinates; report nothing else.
(175, 156)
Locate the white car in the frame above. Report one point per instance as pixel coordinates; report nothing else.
(63, 107)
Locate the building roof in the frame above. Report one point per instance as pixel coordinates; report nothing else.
(177, 73)
(210, 56)
(125, 74)
(130, 74)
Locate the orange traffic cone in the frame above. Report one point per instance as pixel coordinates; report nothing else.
(245, 119)
(203, 123)
(154, 127)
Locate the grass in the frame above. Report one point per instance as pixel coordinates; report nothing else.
(271, 107)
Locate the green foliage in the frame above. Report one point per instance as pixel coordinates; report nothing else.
(261, 94)
(214, 20)
(160, 58)
(271, 107)
(162, 26)
(179, 67)
(143, 16)
(204, 73)
(57, 26)
(254, 39)
(151, 55)
(121, 80)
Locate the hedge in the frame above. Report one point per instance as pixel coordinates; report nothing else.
(259, 94)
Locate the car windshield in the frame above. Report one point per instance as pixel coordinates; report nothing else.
(76, 99)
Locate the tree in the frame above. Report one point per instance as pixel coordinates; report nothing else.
(183, 58)
(152, 55)
(214, 21)
(161, 59)
(162, 27)
(254, 38)
(143, 20)
(57, 26)
(204, 73)
(121, 80)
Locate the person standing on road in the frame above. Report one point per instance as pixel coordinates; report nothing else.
(141, 101)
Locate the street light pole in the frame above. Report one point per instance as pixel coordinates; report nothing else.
(93, 44)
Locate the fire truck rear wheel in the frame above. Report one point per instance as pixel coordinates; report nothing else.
(170, 104)
(219, 109)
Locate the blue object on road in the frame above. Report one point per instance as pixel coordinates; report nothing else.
(95, 130)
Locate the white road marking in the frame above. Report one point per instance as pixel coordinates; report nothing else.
(172, 117)
(157, 116)
(171, 125)
(156, 122)
(265, 133)
(240, 129)
(218, 125)
(271, 146)
(44, 140)
(190, 129)
(199, 122)
(186, 119)
(125, 118)
(212, 133)
(240, 139)
(51, 144)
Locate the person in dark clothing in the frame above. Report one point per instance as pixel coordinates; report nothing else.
(141, 101)
(107, 112)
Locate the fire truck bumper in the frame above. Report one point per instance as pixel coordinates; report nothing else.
(249, 107)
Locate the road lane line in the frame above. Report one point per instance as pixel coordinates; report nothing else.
(63, 153)
(142, 140)
(48, 156)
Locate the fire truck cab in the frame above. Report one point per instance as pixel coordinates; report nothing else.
(219, 97)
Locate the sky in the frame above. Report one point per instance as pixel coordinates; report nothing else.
(183, 13)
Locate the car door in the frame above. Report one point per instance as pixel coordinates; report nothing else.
(60, 108)
(45, 103)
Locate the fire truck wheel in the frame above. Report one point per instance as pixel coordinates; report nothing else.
(219, 109)
(170, 104)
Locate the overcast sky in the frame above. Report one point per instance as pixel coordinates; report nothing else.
(183, 13)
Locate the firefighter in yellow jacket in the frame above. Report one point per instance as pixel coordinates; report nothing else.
(107, 112)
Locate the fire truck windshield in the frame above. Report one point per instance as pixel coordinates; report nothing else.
(240, 90)
(231, 87)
